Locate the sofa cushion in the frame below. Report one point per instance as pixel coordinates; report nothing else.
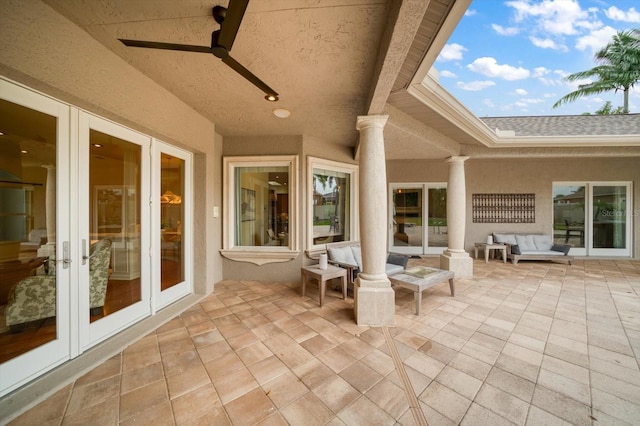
(543, 242)
(391, 269)
(526, 243)
(505, 238)
(342, 255)
(357, 255)
(562, 248)
(398, 259)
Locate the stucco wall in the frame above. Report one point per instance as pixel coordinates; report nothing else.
(524, 176)
(45, 51)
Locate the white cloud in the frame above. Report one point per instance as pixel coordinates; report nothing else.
(489, 67)
(547, 43)
(475, 86)
(505, 31)
(447, 74)
(488, 102)
(596, 39)
(521, 92)
(470, 12)
(557, 17)
(620, 15)
(549, 95)
(540, 71)
(451, 52)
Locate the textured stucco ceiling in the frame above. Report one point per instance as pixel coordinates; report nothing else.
(318, 55)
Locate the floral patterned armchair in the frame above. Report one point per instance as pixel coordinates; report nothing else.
(34, 298)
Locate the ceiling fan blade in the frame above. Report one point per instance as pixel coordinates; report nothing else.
(249, 75)
(231, 24)
(166, 46)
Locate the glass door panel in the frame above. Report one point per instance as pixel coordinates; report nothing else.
(437, 214)
(610, 233)
(172, 223)
(34, 228)
(118, 283)
(569, 216)
(406, 230)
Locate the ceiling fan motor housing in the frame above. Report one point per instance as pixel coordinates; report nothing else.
(218, 51)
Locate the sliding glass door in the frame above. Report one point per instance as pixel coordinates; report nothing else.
(593, 217)
(418, 215)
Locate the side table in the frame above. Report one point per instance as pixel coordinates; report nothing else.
(322, 276)
(487, 250)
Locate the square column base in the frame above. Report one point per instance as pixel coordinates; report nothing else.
(458, 262)
(374, 303)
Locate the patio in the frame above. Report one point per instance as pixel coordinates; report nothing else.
(533, 343)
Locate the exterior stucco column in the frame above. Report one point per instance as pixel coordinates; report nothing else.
(455, 258)
(374, 299)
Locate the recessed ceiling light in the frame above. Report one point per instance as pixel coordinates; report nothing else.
(271, 98)
(24, 151)
(97, 145)
(281, 112)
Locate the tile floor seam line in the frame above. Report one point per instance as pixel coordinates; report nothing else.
(624, 329)
(412, 400)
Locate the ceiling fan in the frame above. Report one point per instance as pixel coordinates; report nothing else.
(221, 43)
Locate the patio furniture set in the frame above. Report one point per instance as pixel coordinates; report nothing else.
(345, 262)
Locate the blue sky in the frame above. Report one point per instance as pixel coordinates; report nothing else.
(509, 57)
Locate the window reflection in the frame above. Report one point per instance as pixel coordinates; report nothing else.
(28, 286)
(171, 220)
(262, 206)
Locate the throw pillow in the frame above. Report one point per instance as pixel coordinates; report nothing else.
(515, 249)
(342, 255)
(398, 259)
(561, 248)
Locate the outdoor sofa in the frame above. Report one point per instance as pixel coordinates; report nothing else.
(533, 247)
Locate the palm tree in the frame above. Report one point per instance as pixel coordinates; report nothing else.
(619, 69)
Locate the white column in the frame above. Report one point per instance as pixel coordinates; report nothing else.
(455, 258)
(374, 299)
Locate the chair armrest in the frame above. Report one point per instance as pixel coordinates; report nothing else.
(343, 265)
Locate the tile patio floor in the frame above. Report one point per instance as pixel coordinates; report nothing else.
(535, 343)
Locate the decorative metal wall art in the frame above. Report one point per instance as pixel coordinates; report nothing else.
(504, 208)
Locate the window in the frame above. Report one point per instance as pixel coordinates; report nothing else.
(261, 209)
(332, 202)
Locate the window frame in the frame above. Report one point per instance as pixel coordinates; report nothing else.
(259, 255)
(335, 166)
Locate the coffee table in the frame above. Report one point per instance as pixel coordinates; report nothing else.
(420, 278)
(322, 275)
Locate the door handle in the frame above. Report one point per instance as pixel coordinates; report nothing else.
(66, 260)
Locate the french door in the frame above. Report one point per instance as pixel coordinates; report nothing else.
(593, 217)
(95, 231)
(36, 244)
(114, 181)
(418, 213)
(172, 207)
